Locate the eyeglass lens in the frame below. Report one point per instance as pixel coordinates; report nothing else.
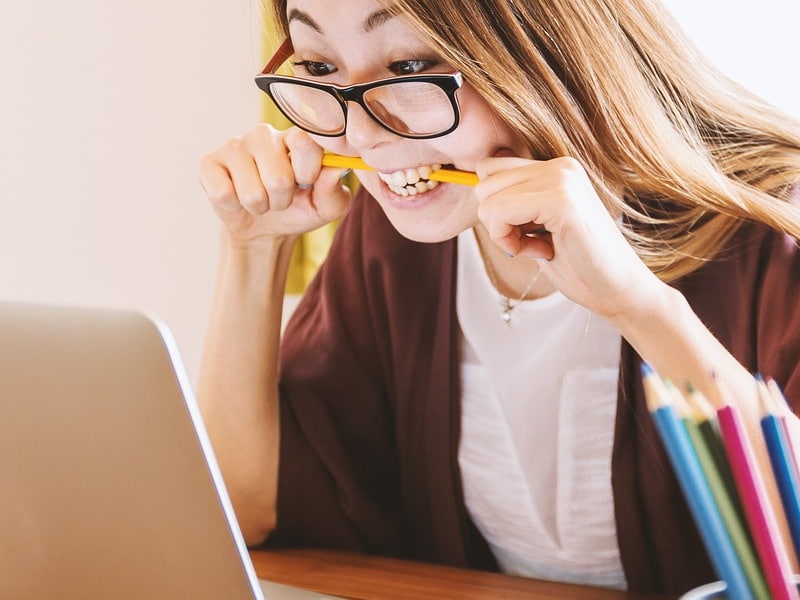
(411, 108)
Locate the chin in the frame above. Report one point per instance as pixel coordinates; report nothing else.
(433, 217)
(426, 235)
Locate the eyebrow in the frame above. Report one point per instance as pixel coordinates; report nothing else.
(304, 18)
(376, 19)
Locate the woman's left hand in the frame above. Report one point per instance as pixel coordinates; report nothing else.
(585, 255)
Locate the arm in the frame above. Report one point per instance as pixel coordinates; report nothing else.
(252, 184)
(237, 389)
(586, 257)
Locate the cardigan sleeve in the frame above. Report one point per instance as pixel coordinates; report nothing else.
(338, 483)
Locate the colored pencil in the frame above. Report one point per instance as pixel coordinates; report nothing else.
(760, 517)
(722, 491)
(443, 175)
(706, 418)
(694, 486)
(782, 462)
(784, 414)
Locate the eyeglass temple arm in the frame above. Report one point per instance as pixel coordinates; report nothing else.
(284, 51)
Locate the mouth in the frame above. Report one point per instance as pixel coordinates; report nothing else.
(410, 182)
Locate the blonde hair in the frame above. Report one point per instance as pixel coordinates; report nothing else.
(684, 153)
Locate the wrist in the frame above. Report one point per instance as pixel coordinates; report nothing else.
(651, 306)
(257, 248)
(255, 268)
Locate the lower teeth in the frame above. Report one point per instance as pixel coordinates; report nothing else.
(413, 190)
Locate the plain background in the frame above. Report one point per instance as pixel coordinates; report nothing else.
(107, 107)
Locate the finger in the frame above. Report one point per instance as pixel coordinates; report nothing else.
(305, 156)
(216, 182)
(497, 174)
(516, 207)
(517, 243)
(247, 183)
(538, 245)
(331, 197)
(495, 164)
(267, 151)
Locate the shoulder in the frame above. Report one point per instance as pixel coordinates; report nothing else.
(748, 297)
(755, 255)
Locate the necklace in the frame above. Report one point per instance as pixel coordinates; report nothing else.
(507, 305)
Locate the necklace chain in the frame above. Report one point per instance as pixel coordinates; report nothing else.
(507, 305)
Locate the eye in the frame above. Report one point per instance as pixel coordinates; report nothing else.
(313, 68)
(411, 67)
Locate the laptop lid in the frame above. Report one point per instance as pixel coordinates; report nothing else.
(108, 486)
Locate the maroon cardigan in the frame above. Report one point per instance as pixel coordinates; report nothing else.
(370, 403)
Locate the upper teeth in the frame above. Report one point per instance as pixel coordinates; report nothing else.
(410, 182)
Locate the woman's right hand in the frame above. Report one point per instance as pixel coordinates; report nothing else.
(270, 183)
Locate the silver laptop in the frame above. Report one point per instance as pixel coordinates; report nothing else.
(108, 484)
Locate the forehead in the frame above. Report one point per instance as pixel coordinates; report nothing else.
(356, 35)
(353, 16)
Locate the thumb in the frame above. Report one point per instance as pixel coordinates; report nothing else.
(331, 196)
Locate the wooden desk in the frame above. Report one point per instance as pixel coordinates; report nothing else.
(373, 578)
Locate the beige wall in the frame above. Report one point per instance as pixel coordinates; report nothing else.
(106, 107)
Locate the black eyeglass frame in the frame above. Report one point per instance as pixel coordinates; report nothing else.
(449, 83)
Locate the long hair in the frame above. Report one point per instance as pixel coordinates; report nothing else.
(682, 152)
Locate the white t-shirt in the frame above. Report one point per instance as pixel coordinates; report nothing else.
(538, 408)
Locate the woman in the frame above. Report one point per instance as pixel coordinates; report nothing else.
(632, 204)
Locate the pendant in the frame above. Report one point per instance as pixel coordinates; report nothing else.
(505, 314)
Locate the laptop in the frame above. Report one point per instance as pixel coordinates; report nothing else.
(108, 483)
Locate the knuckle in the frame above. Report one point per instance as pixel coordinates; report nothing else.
(234, 144)
(569, 166)
(254, 202)
(280, 182)
(221, 196)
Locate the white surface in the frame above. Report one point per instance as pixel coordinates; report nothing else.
(755, 43)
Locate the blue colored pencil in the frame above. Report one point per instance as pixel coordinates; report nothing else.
(782, 461)
(784, 412)
(695, 488)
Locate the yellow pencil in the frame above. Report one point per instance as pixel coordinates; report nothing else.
(443, 175)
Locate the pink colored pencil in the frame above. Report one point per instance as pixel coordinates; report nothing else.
(763, 524)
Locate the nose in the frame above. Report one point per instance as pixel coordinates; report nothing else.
(362, 131)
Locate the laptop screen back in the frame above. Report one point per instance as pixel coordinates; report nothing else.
(108, 488)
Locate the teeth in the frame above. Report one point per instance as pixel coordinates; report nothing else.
(412, 175)
(410, 182)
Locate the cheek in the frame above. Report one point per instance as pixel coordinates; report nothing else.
(480, 132)
(371, 183)
(336, 145)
